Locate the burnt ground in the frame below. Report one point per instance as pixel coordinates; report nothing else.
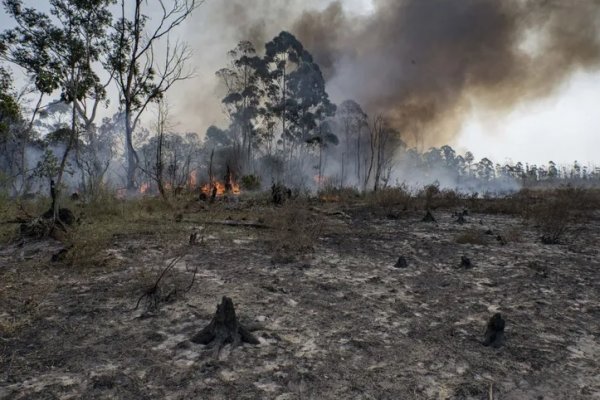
(337, 321)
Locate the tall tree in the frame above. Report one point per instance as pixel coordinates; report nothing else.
(296, 90)
(244, 93)
(142, 78)
(11, 122)
(59, 51)
(353, 121)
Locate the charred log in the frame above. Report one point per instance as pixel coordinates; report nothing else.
(224, 328)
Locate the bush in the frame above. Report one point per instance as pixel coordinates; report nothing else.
(250, 182)
(554, 214)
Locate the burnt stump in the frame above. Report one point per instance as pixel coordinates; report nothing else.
(224, 328)
(428, 217)
(494, 333)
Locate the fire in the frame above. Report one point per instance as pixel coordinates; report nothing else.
(220, 188)
(320, 179)
(329, 198)
(144, 188)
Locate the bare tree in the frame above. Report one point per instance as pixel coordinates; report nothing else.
(141, 77)
(384, 141)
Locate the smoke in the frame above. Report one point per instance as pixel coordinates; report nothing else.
(422, 63)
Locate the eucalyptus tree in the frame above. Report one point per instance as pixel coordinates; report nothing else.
(142, 76)
(58, 51)
(354, 122)
(11, 120)
(295, 91)
(242, 80)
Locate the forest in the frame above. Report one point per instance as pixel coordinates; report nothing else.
(82, 57)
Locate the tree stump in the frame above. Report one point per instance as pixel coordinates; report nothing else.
(193, 238)
(465, 262)
(401, 263)
(224, 328)
(494, 334)
(428, 217)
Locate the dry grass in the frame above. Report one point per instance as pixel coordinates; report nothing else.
(295, 230)
(559, 210)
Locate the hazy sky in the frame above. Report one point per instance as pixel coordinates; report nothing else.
(562, 128)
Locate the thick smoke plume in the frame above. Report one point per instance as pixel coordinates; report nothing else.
(425, 63)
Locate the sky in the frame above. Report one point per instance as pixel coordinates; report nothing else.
(562, 127)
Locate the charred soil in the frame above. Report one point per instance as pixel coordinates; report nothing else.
(333, 316)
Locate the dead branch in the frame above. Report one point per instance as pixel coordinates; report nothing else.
(153, 290)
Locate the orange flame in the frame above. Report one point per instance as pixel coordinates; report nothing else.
(220, 188)
(144, 188)
(329, 198)
(321, 179)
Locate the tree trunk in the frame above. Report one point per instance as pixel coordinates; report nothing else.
(132, 158)
(63, 163)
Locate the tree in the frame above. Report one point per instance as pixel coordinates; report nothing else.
(141, 78)
(469, 158)
(244, 92)
(295, 89)
(485, 169)
(552, 170)
(384, 141)
(354, 121)
(11, 122)
(59, 51)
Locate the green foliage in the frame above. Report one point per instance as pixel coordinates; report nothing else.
(250, 182)
(295, 88)
(10, 112)
(48, 166)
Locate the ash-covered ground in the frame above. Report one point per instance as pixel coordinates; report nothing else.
(334, 317)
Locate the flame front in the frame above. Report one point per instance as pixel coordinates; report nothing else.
(220, 188)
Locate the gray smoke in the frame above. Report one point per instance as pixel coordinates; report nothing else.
(421, 62)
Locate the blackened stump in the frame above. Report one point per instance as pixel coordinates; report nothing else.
(428, 217)
(494, 334)
(224, 328)
(193, 238)
(465, 262)
(401, 263)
